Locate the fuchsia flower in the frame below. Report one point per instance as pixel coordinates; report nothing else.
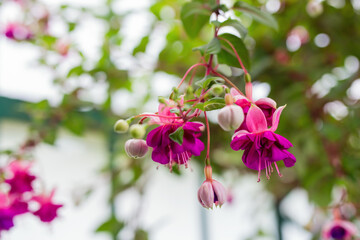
(165, 150)
(339, 230)
(10, 206)
(17, 31)
(21, 179)
(47, 210)
(211, 191)
(262, 147)
(267, 106)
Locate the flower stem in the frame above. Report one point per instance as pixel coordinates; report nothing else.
(188, 71)
(237, 55)
(207, 159)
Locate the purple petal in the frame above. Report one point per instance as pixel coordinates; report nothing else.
(153, 139)
(160, 155)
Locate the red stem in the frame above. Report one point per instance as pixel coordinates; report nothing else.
(237, 55)
(188, 71)
(207, 159)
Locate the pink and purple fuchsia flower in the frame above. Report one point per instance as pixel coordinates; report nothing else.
(165, 150)
(339, 230)
(20, 179)
(262, 146)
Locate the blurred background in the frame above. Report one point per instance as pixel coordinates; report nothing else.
(75, 67)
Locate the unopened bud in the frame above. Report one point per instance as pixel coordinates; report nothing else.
(162, 100)
(211, 192)
(230, 117)
(217, 89)
(229, 100)
(189, 90)
(121, 126)
(136, 148)
(137, 131)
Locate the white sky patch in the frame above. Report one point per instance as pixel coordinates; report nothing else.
(293, 42)
(336, 109)
(354, 91)
(322, 40)
(272, 6)
(336, 3)
(261, 90)
(322, 86)
(352, 64)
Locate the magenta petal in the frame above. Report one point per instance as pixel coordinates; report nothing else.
(283, 142)
(267, 102)
(290, 160)
(153, 139)
(276, 118)
(159, 155)
(255, 120)
(251, 158)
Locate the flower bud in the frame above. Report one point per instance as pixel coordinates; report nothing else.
(121, 126)
(136, 148)
(211, 192)
(137, 131)
(229, 100)
(230, 117)
(217, 89)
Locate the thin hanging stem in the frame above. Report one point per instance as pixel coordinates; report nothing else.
(188, 71)
(207, 159)
(237, 55)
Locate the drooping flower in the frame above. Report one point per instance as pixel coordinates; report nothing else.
(211, 191)
(17, 31)
(136, 148)
(339, 230)
(262, 146)
(10, 206)
(267, 106)
(47, 210)
(165, 150)
(6, 213)
(21, 179)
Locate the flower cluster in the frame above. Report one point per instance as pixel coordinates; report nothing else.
(178, 136)
(19, 180)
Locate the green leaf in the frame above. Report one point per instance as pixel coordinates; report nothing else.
(257, 14)
(213, 47)
(178, 136)
(194, 16)
(200, 106)
(237, 25)
(111, 226)
(142, 45)
(227, 55)
(214, 104)
(204, 83)
(140, 234)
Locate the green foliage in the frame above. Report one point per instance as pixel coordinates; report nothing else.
(194, 16)
(178, 136)
(227, 55)
(257, 14)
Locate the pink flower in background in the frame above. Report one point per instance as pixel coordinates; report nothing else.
(17, 31)
(21, 179)
(267, 106)
(62, 46)
(10, 206)
(47, 210)
(6, 213)
(262, 147)
(339, 230)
